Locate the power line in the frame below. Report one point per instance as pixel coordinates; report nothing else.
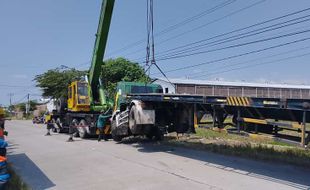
(235, 37)
(204, 13)
(19, 101)
(237, 45)
(13, 86)
(258, 64)
(240, 29)
(252, 60)
(204, 25)
(238, 55)
(180, 24)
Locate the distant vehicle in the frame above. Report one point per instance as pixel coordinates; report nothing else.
(38, 120)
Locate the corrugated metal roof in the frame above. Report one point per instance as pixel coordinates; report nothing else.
(228, 83)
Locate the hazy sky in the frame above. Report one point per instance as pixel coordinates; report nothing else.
(36, 35)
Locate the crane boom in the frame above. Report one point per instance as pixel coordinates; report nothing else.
(100, 44)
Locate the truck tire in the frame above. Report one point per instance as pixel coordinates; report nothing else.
(61, 104)
(74, 128)
(115, 137)
(134, 128)
(82, 131)
(158, 134)
(132, 118)
(59, 125)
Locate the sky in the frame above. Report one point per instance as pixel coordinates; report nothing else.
(37, 35)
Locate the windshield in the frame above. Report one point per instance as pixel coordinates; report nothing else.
(82, 89)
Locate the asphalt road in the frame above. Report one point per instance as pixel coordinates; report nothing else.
(48, 162)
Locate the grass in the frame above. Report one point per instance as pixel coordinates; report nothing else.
(15, 181)
(223, 135)
(231, 144)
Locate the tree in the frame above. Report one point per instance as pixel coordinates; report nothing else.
(54, 82)
(120, 69)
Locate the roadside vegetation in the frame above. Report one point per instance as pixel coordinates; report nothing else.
(54, 82)
(259, 148)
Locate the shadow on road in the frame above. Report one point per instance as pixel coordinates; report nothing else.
(279, 173)
(30, 172)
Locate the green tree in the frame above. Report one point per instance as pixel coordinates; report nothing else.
(120, 69)
(54, 82)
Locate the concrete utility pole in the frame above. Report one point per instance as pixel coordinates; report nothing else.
(28, 104)
(10, 95)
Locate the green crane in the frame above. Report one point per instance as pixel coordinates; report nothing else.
(93, 99)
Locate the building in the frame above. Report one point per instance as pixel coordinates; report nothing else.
(224, 88)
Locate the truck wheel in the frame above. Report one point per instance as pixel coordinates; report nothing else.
(115, 137)
(74, 125)
(82, 131)
(149, 136)
(158, 134)
(132, 117)
(59, 125)
(132, 120)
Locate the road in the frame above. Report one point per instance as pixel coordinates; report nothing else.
(48, 162)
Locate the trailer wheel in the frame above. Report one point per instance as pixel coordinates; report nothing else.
(149, 136)
(81, 130)
(158, 134)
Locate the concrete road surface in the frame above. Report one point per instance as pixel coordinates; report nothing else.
(48, 162)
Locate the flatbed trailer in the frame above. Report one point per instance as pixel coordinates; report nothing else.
(180, 112)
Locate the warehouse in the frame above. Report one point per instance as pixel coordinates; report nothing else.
(224, 88)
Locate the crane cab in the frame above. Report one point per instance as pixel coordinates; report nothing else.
(78, 97)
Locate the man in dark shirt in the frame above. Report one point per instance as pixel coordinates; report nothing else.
(101, 124)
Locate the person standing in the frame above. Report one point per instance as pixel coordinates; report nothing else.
(49, 124)
(101, 125)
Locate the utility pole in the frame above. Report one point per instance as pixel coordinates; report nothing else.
(10, 95)
(28, 104)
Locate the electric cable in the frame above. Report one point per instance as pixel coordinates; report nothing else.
(238, 55)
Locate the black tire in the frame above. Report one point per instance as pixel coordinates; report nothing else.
(132, 119)
(158, 134)
(74, 128)
(115, 137)
(82, 132)
(61, 104)
(149, 136)
(54, 130)
(59, 125)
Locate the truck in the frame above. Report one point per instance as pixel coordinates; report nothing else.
(87, 100)
(143, 109)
